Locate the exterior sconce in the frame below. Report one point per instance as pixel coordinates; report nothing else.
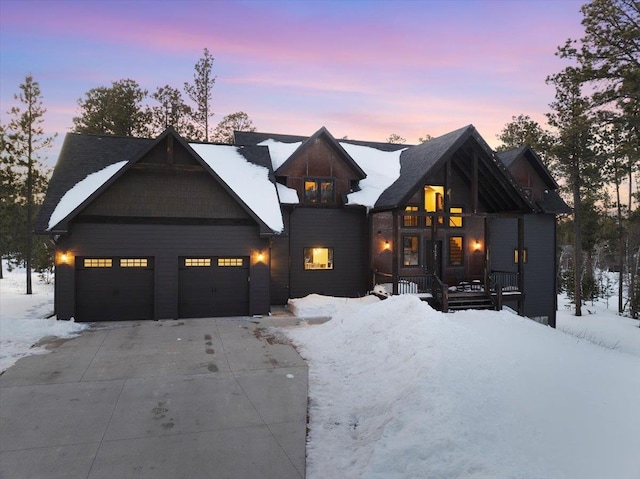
(387, 245)
(477, 247)
(260, 257)
(63, 258)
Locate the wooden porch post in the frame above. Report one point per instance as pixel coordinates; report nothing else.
(395, 251)
(487, 246)
(521, 264)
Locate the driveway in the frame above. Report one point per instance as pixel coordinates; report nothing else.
(193, 398)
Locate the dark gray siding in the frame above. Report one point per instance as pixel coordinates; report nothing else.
(344, 230)
(165, 243)
(539, 271)
(280, 265)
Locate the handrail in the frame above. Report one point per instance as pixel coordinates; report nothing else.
(440, 292)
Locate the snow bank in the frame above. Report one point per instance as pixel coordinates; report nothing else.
(319, 306)
(22, 318)
(399, 390)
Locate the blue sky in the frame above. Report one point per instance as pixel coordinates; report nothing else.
(364, 69)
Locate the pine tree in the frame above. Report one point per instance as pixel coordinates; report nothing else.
(114, 110)
(200, 92)
(171, 111)
(24, 137)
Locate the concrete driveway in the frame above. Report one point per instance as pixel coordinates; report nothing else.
(192, 398)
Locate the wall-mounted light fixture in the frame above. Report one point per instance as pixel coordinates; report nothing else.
(477, 246)
(63, 257)
(260, 256)
(387, 245)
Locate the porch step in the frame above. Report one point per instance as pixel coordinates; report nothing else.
(458, 302)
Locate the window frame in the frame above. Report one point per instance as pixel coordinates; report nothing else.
(330, 258)
(456, 218)
(318, 194)
(412, 219)
(525, 256)
(417, 251)
(449, 240)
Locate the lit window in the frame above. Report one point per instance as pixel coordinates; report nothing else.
(97, 263)
(434, 201)
(318, 258)
(319, 191)
(455, 221)
(133, 263)
(456, 253)
(524, 255)
(410, 221)
(195, 262)
(230, 262)
(410, 250)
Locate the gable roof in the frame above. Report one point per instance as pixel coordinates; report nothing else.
(498, 189)
(328, 137)
(75, 183)
(510, 156)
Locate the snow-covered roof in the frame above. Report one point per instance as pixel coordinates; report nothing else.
(249, 181)
(81, 191)
(381, 167)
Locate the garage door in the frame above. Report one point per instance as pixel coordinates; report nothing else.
(114, 288)
(213, 286)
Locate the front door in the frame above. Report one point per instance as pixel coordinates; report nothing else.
(433, 259)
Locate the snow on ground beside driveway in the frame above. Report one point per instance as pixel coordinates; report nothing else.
(317, 305)
(23, 318)
(399, 390)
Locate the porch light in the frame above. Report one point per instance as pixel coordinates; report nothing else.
(387, 245)
(260, 257)
(64, 258)
(477, 247)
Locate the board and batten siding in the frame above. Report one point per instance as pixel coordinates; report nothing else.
(165, 243)
(540, 268)
(344, 230)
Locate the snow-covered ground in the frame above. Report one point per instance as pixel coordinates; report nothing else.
(23, 318)
(398, 390)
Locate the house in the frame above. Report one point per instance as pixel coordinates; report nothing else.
(163, 228)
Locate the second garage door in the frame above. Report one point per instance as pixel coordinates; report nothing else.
(213, 286)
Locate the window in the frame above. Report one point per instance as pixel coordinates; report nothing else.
(97, 263)
(411, 221)
(410, 251)
(524, 255)
(197, 262)
(318, 258)
(455, 221)
(434, 201)
(230, 262)
(456, 252)
(319, 192)
(133, 263)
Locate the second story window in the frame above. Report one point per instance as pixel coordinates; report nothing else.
(319, 192)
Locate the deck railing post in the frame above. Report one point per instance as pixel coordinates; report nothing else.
(498, 297)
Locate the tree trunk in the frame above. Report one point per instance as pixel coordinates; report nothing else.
(29, 208)
(621, 250)
(577, 239)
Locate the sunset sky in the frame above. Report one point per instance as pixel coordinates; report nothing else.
(364, 69)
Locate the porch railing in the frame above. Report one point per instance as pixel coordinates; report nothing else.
(507, 281)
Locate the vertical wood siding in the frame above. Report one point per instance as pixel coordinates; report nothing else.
(344, 230)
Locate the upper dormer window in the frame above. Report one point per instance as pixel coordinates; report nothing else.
(319, 191)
